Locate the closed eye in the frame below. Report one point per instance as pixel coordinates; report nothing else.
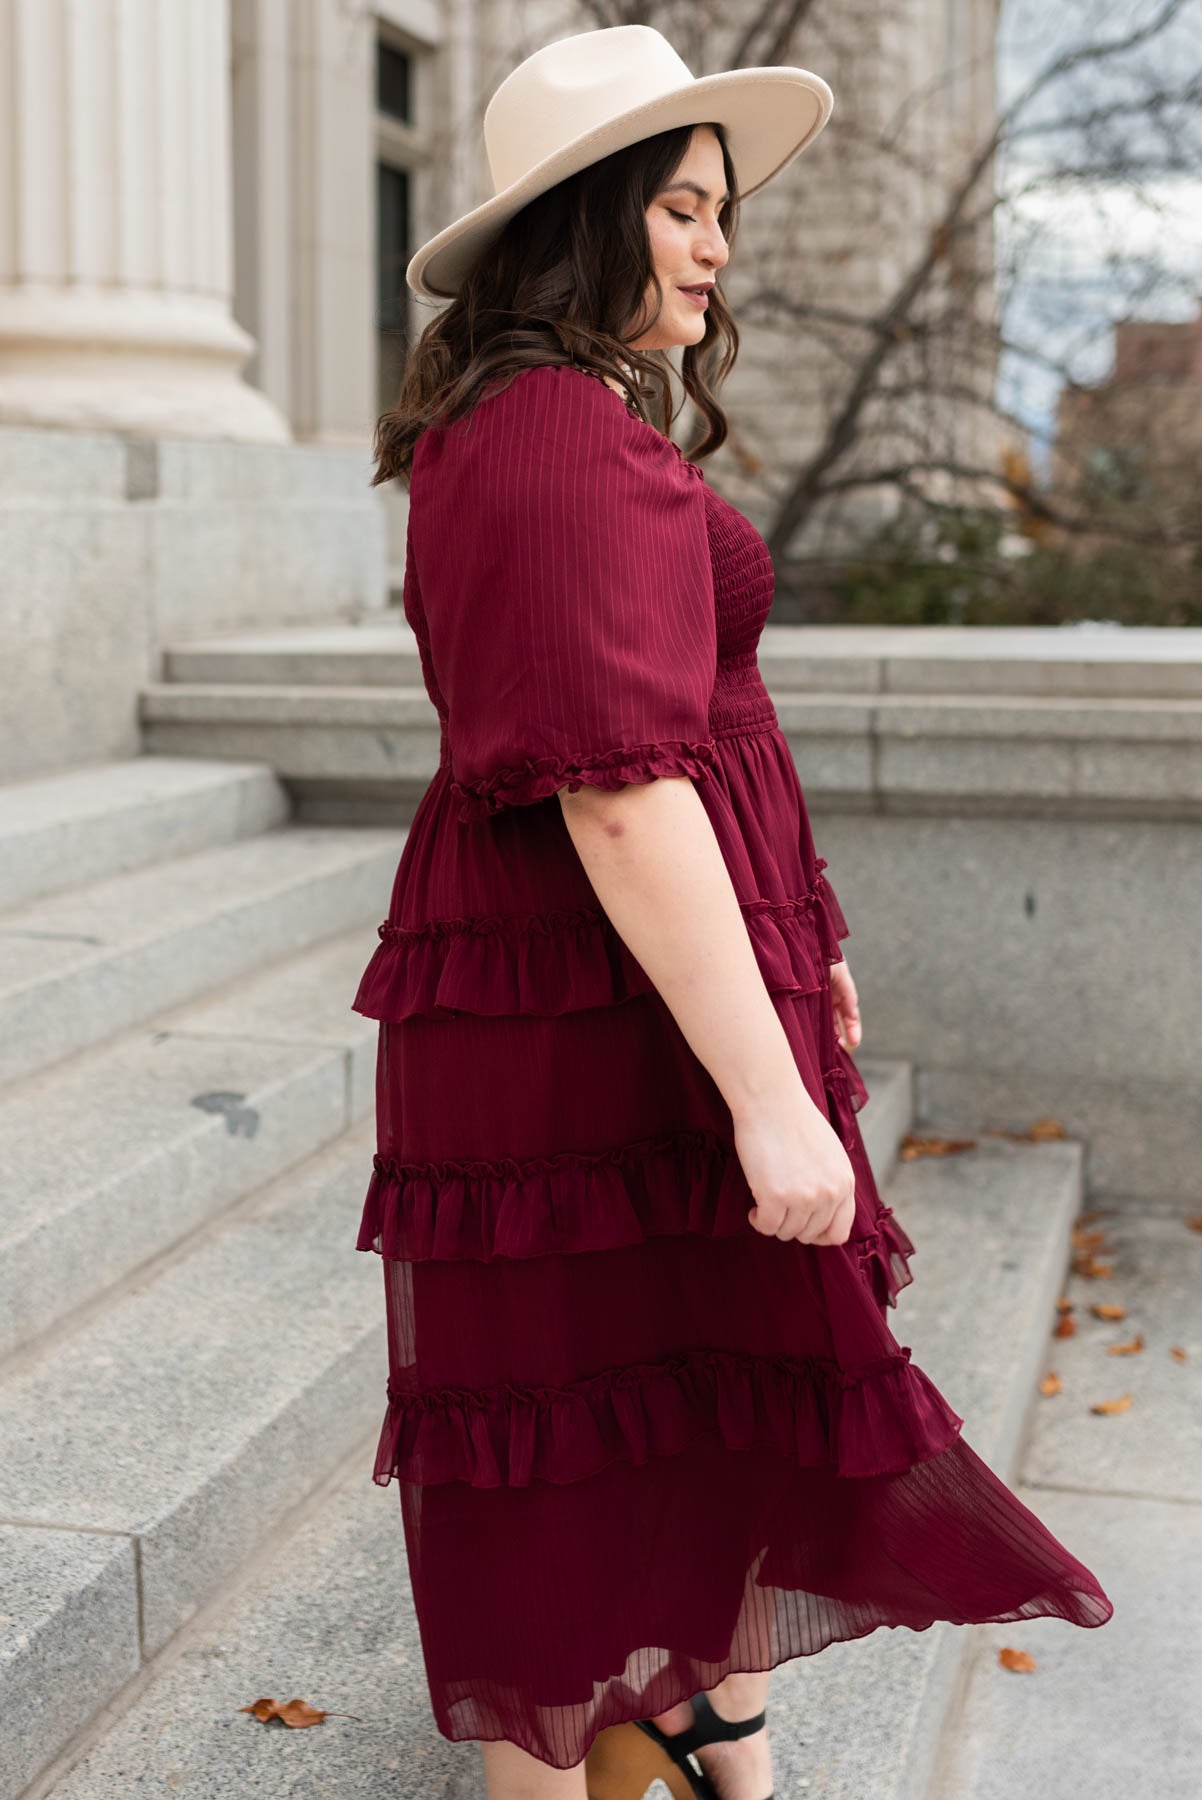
(688, 219)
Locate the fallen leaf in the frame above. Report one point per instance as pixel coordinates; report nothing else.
(914, 1145)
(1128, 1349)
(1064, 1304)
(1177, 1353)
(297, 1713)
(1088, 1240)
(1065, 1325)
(1016, 1659)
(1194, 1222)
(1112, 1406)
(1034, 1134)
(1051, 1383)
(1108, 1309)
(1096, 1271)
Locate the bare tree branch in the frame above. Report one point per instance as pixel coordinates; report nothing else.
(779, 33)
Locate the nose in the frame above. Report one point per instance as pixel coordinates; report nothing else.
(720, 254)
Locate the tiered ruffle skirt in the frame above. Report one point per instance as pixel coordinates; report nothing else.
(638, 1444)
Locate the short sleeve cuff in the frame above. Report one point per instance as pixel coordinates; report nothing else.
(528, 782)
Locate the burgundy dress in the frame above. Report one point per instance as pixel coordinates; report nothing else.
(637, 1443)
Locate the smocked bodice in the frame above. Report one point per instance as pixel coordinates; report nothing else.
(743, 588)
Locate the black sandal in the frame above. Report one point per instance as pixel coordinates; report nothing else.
(621, 1767)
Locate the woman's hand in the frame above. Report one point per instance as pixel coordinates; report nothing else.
(847, 1006)
(798, 1170)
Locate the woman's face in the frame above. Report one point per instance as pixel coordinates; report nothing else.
(687, 245)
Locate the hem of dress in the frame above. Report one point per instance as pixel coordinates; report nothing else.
(1032, 1610)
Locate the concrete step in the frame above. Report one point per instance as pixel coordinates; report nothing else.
(88, 823)
(894, 659)
(890, 1081)
(77, 967)
(380, 652)
(1123, 1491)
(992, 1231)
(347, 755)
(316, 1620)
(158, 1129)
(158, 1447)
(1074, 755)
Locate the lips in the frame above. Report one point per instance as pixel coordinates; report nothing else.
(703, 287)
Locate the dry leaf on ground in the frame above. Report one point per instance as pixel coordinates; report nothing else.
(1090, 1267)
(914, 1145)
(297, 1713)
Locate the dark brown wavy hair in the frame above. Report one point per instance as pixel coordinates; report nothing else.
(566, 283)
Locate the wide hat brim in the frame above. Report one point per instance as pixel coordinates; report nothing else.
(769, 116)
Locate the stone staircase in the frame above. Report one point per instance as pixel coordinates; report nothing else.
(192, 1359)
(188, 1344)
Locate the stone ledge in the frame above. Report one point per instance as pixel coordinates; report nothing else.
(1043, 662)
(1080, 757)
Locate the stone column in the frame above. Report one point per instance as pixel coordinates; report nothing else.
(116, 222)
(333, 269)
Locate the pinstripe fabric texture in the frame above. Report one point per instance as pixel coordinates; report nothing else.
(599, 656)
(637, 1445)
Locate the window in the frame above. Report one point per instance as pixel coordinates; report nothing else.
(400, 157)
(393, 250)
(393, 88)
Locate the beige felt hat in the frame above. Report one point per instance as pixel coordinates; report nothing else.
(583, 97)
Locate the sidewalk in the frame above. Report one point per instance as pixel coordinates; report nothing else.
(1113, 1711)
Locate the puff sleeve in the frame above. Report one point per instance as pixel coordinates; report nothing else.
(565, 573)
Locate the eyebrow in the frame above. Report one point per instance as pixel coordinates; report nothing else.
(692, 187)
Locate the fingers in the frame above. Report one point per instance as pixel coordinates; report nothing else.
(846, 1004)
(789, 1224)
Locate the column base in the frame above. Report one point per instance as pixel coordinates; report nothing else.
(121, 360)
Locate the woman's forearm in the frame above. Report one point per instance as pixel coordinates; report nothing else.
(650, 852)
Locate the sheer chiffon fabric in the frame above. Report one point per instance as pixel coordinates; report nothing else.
(637, 1444)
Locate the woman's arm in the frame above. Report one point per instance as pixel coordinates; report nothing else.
(657, 869)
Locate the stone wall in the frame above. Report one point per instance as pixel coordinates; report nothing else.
(115, 546)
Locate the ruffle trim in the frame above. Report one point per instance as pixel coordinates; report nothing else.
(883, 1257)
(524, 783)
(552, 963)
(878, 1421)
(577, 1201)
(882, 1253)
(571, 1202)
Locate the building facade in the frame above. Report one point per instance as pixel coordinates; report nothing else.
(206, 210)
(1127, 447)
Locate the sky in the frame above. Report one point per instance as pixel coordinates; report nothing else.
(1085, 253)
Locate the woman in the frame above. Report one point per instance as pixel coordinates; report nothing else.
(651, 1432)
